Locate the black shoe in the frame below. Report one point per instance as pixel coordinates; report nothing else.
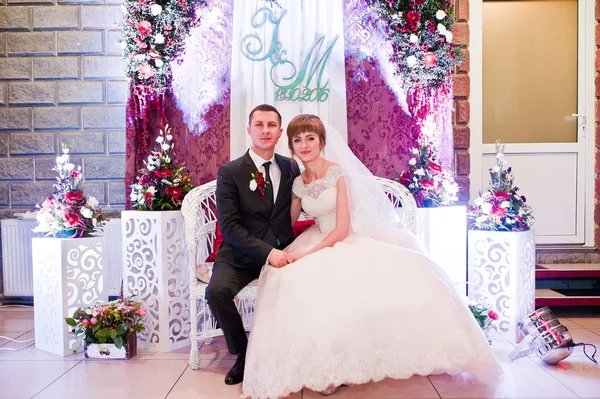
(236, 374)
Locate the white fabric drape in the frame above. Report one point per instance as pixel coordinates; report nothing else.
(251, 83)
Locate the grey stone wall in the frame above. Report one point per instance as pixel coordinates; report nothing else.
(61, 81)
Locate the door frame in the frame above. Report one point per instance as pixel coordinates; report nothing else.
(586, 106)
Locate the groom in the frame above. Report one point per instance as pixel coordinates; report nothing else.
(255, 221)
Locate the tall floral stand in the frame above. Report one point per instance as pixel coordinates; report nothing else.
(68, 273)
(155, 270)
(501, 269)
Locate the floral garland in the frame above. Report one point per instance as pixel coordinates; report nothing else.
(154, 33)
(421, 36)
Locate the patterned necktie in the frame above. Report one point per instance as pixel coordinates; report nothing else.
(269, 187)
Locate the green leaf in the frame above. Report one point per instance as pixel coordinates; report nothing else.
(139, 328)
(104, 332)
(113, 334)
(70, 321)
(102, 340)
(119, 342)
(96, 327)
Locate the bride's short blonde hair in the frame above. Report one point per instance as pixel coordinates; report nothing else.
(305, 123)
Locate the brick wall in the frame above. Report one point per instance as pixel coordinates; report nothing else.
(61, 80)
(461, 115)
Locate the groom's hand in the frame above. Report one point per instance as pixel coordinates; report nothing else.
(278, 258)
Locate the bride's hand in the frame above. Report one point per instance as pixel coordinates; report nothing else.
(297, 255)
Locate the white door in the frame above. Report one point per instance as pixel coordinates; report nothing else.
(532, 80)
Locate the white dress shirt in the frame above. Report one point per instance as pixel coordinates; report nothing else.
(274, 171)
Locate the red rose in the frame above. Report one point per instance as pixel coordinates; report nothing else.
(74, 196)
(72, 219)
(501, 196)
(435, 166)
(426, 47)
(493, 315)
(174, 192)
(429, 59)
(405, 178)
(498, 211)
(163, 173)
(427, 184)
(412, 19)
(144, 27)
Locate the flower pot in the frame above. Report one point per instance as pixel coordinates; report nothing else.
(67, 274)
(501, 268)
(155, 270)
(110, 351)
(73, 233)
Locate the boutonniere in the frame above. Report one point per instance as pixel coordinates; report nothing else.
(258, 182)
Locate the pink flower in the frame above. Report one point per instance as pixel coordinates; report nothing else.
(72, 219)
(94, 320)
(141, 312)
(493, 315)
(429, 59)
(412, 19)
(141, 44)
(144, 27)
(146, 70)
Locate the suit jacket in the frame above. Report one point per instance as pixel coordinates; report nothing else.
(251, 226)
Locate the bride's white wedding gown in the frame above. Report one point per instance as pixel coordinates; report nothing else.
(360, 311)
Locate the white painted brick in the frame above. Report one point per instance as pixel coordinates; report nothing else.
(55, 18)
(17, 68)
(38, 43)
(104, 167)
(33, 143)
(30, 194)
(103, 67)
(27, 93)
(55, 68)
(81, 92)
(116, 193)
(117, 91)
(15, 119)
(16, 169)
(57, 118)
(113, 42)
(86, 142)
(80, 42)
(104, 117)
(116, 142)
(96, 189)
(103, 17)
(15, 18)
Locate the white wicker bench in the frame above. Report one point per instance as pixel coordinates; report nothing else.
(199, 212)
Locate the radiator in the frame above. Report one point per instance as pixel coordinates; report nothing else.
(16, 256)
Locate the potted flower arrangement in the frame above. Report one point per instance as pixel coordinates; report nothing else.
(67, 213)
(109, 328)
(426, 178)
(501, 247)
(156, 197)
(161, 185)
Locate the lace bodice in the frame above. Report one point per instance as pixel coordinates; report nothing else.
(319, 197)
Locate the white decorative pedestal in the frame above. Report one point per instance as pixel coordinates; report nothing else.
(67, 274)
(155, 269)
(443, 231)
(502, 269)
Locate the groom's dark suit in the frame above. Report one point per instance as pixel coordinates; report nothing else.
(251, 226)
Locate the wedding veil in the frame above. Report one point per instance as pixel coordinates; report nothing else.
(370, 209)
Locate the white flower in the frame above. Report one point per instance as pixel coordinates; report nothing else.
(150, 167)
(415, 151)
(160, 139)
(165, 147)
(414, 38)
(159, 38)
(411, 60)
(486, 208)
(169, 137)
(123, 45)
(505, 204)
(419, 172)
(86, 212)
(69, 167)
(167, 159)
(440, 14)
(156, 9)
(478, 201)
(133, 197)
(442, 29)
(253, 185)
(449, 36)
(158, 63)
(412, 162)
(139, 57)
(95, 222)
(93, 202)
(496, 169)
(151, 190)
(123, 9)
(481, 219)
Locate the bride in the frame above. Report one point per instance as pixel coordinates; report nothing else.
(361, 301)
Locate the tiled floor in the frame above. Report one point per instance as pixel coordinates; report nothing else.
(29, 372)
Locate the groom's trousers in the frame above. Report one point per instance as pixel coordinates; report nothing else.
(225, 283)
